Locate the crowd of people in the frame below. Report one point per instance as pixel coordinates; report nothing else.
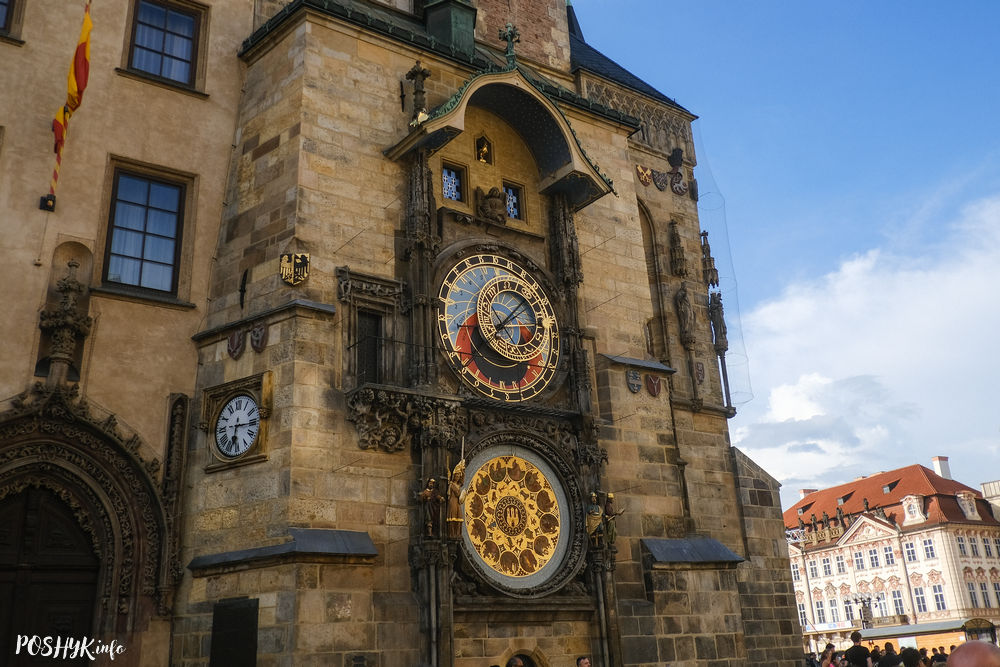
(969, 654)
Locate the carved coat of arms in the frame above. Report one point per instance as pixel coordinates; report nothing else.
(633, 380)
(653, 385)
(294, 267)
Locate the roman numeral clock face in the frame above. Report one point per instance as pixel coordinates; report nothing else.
(237, 426)
(498, 328)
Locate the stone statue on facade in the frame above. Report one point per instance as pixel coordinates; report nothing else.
(595, 521)
(431, 499)
(492, 205)
(685, 316)
(718, 318)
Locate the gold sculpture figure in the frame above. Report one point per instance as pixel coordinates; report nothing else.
(456, 498)
(609, 519)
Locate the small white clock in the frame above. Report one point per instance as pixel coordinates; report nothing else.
(237, 426)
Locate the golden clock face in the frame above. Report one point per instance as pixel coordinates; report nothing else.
(513, 517)
(498, 328)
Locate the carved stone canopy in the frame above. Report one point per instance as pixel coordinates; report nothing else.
(563, 166)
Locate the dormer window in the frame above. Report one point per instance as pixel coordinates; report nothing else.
(913, 508)
(840, 501)
(967, 501)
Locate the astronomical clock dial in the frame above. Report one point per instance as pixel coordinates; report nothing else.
(498, 328)
(237, 426)
(516, 519)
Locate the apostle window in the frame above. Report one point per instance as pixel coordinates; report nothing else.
(453, 182)
(144, 232)
(514, 196)
(165, 41)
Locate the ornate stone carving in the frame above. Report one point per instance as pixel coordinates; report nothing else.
(492, 205)
(351, 285)
(391, 421)
(718, 319)
(50, 438)
(678, 262)
(418, 74)
(65, 324)
(708, 271)
(662, 129)
(685, 317)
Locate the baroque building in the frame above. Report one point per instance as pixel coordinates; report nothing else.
(365, 333)
(909, 555)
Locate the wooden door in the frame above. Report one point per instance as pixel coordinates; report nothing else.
(48, 575)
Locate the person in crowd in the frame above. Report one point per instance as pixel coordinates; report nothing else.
(858, 655)
(974, 654)
(939, 656)
(890, 658)
(910, 657)
(583, 661)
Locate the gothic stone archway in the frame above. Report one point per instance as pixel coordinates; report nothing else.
(53, 443)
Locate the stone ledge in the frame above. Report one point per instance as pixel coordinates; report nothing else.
(307, 545)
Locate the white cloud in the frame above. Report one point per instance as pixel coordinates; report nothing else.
(885, 362)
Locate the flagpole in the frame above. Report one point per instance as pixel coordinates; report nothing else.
(76, 83)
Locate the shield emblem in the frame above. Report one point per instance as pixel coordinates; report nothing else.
(699, 371)
(645, 174)
(661, 179)
(633, 380)
(294, 267)
(258, 337)
(653, 385)
(236, 343)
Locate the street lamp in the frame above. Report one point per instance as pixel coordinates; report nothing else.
(865, 602)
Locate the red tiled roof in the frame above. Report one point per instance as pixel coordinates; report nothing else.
(939, 494)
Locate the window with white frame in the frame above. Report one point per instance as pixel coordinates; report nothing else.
(827, 569)
(802, 615)
(890, 558)
(820, 612)
(996, 591)
(813, 572)
(984, 588)
(873, 557)
(987, 547)
(841, 565)
(881, 605)
(897, 603)
(859, 560)
(911, 552)
(996, 544)
(960, 541)
(849, 609)
(973, 598)
(795, 573)
(938, 590)
(919, 599)
(929, 548)
(974, 546)
(834, 611)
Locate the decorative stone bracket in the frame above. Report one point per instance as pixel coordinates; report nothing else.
(392, 420)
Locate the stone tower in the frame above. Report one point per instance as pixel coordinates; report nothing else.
(446, 376)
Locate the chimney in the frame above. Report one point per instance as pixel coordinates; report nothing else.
(805, 492)
(941, 466)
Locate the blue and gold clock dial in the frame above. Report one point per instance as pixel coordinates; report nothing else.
(498, 328)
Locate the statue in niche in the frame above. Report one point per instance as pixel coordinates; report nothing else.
(718, 319)
(685, 316)
(610, 533)
(456, 496)
(432, 500)
(492, 205)
(595, 521)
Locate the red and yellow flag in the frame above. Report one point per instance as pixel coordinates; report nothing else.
(76, 83)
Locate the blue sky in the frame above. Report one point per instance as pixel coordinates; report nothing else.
(851, 150)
